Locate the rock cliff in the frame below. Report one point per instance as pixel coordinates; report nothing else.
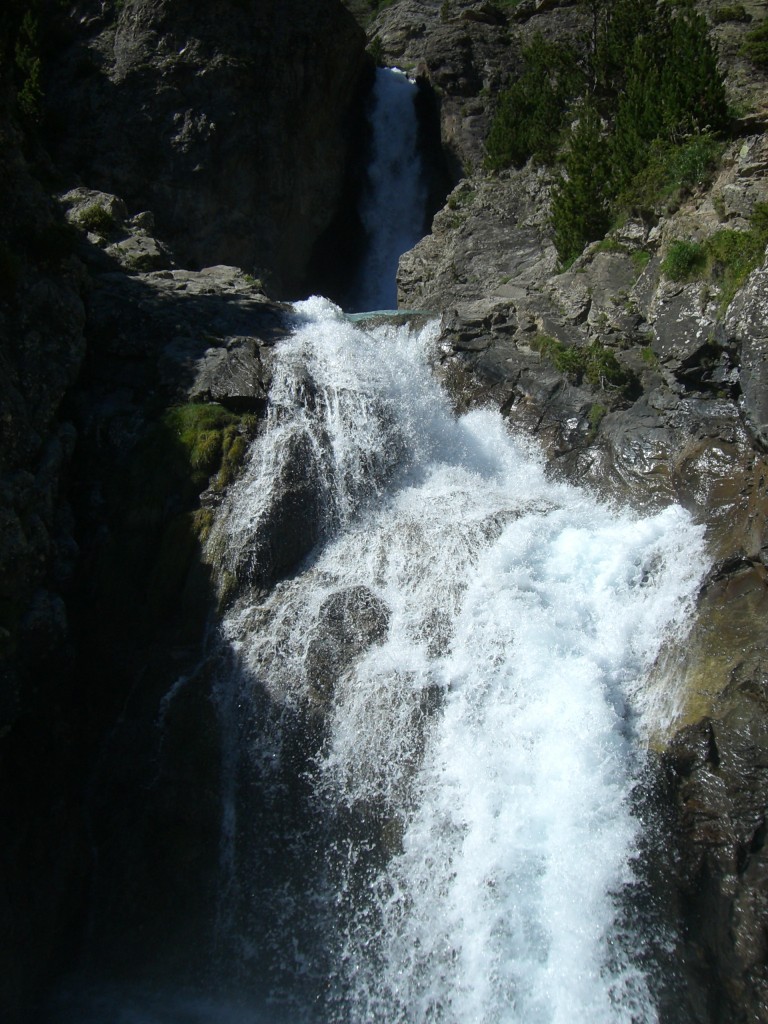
(234, 123)
(183, 137)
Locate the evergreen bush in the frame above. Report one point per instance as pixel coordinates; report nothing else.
(734, 12)
(755, 45)
(643, 97)
(530, 113)
(580, 204)
(684, 260)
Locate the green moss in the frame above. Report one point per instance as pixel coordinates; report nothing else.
(461, 198)
(608, 245)
(597, 413)
(593, 363)
(641, 258)
(733, 255)
(727, 257)
(155, 522)
(198, 445)
(202, 523)
(649, 357)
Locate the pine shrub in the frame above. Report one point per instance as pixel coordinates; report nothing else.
(756, 45)
(530, 114)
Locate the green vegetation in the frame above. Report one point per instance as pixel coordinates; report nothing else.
(531, 112)
(649, 357)
(21, 55)
(727, 257)
(633, 114)
(734, 12)
(593, 363)
(596, 415)
(756, 45)
(684, 260)
(28, 67)
(96, 219)
(155, 516)
(198, 442)
(580, 199)
(733, 255)
(672, 170)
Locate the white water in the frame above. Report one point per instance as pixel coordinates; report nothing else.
(395, 197)
(426, 782)
(492, 726)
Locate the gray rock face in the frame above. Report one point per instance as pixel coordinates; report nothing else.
(231, 122)
(746, 325)
(466, 52)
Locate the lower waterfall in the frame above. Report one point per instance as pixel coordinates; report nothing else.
(431, 697)
(463, 658)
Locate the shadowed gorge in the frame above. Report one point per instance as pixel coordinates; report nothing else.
(373, 664)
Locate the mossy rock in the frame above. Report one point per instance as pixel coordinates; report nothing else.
(156, 524)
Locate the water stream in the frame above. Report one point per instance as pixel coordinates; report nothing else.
(431, 730)
(471, 641)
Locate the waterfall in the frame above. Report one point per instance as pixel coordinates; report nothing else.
(394, 200)
(457, 675)
(431, 690)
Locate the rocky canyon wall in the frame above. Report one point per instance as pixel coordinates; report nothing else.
(226, 129)
(233, 122)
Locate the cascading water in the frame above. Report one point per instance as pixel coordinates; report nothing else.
(394, 199)
(471, 644)
(431, 729)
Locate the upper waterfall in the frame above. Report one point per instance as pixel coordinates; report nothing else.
(394, 199)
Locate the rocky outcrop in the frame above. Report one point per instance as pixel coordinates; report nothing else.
(233, 123)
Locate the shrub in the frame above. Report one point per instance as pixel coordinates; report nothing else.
(728, 257)
(671, 170)
(530, 114)
(735, 12)
(97, 219)
(601, 367)
(684, 260)
(28, 67)
(594, 363)
(755, 45)
(580, 209)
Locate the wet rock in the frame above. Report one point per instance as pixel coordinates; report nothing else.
(348, 623)
(292, 521)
